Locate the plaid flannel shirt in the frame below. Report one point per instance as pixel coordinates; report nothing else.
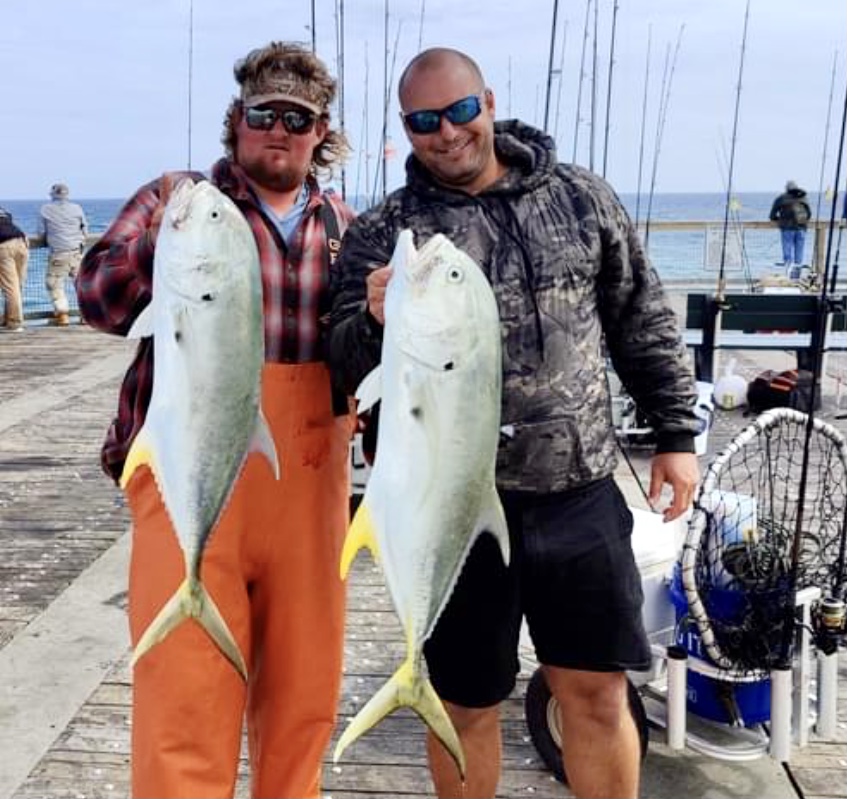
(116, 278)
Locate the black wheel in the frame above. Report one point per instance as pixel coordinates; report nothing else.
(542, 718)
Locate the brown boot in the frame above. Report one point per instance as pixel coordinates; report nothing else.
(61, 319)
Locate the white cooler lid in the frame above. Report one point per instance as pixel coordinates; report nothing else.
(653, 541)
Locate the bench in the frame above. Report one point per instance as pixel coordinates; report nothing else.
(760, 322)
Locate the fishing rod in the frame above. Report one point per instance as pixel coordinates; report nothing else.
(339, 46)
(509, 91)
(722, 158)
(581, 77)
(834, 278)
(420, 26)
(385, 103)
(592, 131)
(661, 119)
(389, 79)
(721, 273)
(656, 148)
(609, 87)
(560, 73)
(550, 66)
(190, 72)
(364, 152)
(312, 28)
(643, 125)
(815, 257)
(817, 367)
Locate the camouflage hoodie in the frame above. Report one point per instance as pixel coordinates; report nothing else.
(569, 273)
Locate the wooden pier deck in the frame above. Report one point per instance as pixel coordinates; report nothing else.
(64, 724)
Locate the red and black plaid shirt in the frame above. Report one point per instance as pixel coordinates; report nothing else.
(116, 277)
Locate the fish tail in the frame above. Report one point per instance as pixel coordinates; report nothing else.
(191, 601)
(406, 688)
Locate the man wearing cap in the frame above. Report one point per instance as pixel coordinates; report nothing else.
(64, 227)
(272, 562)
(792, 213)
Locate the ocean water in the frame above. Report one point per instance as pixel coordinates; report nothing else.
(679, 255)
(752, 206)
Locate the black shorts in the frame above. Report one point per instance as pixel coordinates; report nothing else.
(572, 574)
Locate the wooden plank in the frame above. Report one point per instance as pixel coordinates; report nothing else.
(56, 536)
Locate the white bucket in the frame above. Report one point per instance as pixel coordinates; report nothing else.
(705, 411)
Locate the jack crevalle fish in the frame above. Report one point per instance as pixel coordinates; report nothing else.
(204, 417)
(431, 492)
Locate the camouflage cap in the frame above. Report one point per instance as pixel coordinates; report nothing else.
(59, 191)
(284, 72)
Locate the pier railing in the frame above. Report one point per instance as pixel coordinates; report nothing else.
(686, 255)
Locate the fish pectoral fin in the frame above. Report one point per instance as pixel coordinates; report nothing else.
(141, 453)
(492, 519)
(369, 391)
(360, 534)
(263, 442)
(188, 603)
(142, 327)
(406, 688)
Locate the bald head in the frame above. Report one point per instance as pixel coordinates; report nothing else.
(435, 60)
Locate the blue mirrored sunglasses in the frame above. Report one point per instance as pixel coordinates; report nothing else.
(293, 120)
(459, 113)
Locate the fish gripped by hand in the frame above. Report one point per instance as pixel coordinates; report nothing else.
(431, 492)
(204, 416)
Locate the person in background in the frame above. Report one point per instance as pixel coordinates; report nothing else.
(570, 276)
(14, 257)
(64, 227)
(272, 563)
(792, 213)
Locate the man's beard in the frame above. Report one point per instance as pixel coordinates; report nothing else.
(281, 179)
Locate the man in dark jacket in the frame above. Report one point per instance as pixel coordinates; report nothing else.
(14, 257)
(569, 275)
(792, 213)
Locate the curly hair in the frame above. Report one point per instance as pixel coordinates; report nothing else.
(291, 70)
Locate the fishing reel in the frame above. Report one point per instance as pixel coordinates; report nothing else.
(829, 623)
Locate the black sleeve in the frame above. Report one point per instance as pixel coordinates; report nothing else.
(355, 337)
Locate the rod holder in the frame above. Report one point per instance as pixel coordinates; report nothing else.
(677, 696)
(826, 723)
(780, 747)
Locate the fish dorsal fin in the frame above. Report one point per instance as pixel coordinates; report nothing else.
(360, 534)
(492, 519)
(404, 251)
(142, 327)
(369, 391)
(263, 442)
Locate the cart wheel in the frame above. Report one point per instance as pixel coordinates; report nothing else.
(542, 718)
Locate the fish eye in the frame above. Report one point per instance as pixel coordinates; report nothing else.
(455, 275)
(215, 214)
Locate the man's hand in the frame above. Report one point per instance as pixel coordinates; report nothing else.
(376, 283)
(166, 185)
(681, 471)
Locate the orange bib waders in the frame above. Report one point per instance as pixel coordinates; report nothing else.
(272, 567)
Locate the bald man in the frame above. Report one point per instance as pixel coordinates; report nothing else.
(571, 280)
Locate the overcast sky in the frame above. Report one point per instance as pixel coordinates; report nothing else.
(96, 94)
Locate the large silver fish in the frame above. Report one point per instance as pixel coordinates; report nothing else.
(204, 417)
(431, 492)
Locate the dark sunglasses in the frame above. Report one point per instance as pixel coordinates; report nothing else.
(459, 113)
(293, 120)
